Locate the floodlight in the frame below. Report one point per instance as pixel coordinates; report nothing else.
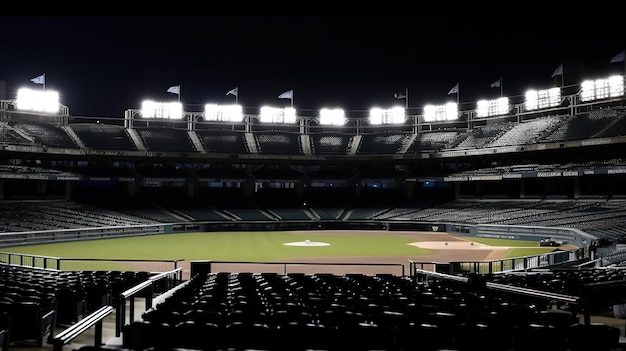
(225, 113)
(394, 115)
(335, 116)
(37, 100)
(602, 88)
(539, 99)
(616, 86)
(161, 110)
(495, 107)
(436, 113)
(270, 114)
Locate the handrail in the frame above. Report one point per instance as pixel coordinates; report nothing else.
(535, 293)
(508, 288)
(124, 296)
(135, 289)
(164, 275)
(576, 302)
(94, 319)
(129, 295)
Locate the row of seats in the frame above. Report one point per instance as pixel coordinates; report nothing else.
(296, 336)
(268, 311)
(38, 300)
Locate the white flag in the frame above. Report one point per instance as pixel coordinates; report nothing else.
(286, 95)
(39, 80)
(558, 71)
(399, 96)
(175, 89)
(495, 84)
(233, 92)
(618, 58)
(455, 89)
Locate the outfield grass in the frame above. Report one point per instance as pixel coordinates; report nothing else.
(249, 246)
(225, 246)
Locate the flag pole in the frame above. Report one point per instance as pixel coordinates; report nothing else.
(291, 97)
(457, 93)
(44, 82)
(237, 96)
(501, 88)
(406, 98)
(178, 92)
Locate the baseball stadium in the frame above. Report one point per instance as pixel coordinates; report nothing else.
(497, 225)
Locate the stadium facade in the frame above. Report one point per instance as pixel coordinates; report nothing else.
(561, 144)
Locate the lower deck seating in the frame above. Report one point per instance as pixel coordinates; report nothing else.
(294, 312)
(28, 322)
(5, 323)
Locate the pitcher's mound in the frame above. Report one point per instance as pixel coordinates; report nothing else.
(306, 243)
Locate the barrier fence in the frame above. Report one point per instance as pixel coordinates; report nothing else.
(522, 263)
(88, 264)
(208, 266)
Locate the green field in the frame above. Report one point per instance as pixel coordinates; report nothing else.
(248, 246)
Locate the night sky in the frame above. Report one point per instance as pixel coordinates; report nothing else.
(103, 65)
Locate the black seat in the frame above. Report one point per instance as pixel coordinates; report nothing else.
(536, 336)
(478, 336)
(198, 335)
(364, 337)
(5, 322)
(593, 336)
(244, 335)
(141, 335)
(296, 336)
(423, 337)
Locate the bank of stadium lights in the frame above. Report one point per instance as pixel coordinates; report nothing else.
(440, 113)
(223, 113)
(602, 88)
(270, 114)
(161, 110)
(495, 107)
(540, 99)
(335, 117)
(394, 115)
(37, 100)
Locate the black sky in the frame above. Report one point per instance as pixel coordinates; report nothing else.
(103, 65)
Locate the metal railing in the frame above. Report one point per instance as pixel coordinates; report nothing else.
(95, 319)
(156, 284)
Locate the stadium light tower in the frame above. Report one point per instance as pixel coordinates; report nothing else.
(277, 115)
(540, 99)
(602, 88)
(438, 113)
(161, 110)
(37, 100)
(335, 117)
(225, 113)
(395, 115)
(494, 107)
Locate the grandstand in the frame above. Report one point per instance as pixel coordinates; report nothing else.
(525, 173)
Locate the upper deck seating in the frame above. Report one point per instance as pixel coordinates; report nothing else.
(104, 136)
(45, 134)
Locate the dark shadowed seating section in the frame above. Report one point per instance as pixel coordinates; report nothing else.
(104, 136)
